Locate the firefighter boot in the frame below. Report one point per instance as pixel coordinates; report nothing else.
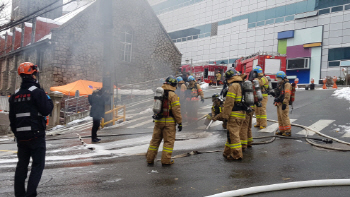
(287, 134)
(262, 127)
(256, 125)
(171, 163)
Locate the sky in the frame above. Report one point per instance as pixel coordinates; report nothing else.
(6, 14)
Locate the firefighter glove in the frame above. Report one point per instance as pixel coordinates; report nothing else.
(272, 93)
(202, 99)
(180, 127)
(284, 106)
(277, 100)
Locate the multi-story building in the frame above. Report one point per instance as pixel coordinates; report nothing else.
(313, 34)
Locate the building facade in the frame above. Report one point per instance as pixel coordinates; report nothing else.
(70, 48)
(313, 34)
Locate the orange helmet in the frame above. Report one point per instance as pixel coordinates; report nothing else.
(27, 68)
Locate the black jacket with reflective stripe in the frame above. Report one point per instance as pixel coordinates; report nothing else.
(28, 108)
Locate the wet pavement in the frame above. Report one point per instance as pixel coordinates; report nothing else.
(117, 167)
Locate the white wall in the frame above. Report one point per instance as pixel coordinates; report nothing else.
(210, 11)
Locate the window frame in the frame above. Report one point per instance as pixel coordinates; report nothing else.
(126, 46)
(307, 61)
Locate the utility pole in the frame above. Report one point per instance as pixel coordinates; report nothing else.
(106, 15)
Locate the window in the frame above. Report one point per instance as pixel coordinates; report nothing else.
(289, 18)
(279, 20)
(261, 23)
(347, 7)
(339, 54)
(251, 25)
(324, 11)
(337, 9)
(126, 37)
(334, 63)
(271, 21)
(300, 63)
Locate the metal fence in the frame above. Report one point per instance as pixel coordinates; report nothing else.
(4, 103)
(129, 93)
(74, 108)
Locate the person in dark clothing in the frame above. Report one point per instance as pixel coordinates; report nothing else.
(97, 101)
(28, 108)
(185, 76)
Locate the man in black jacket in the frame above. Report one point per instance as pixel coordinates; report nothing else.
(28, 108)
(97, 101)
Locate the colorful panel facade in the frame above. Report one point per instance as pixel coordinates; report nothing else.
(304, 36)
(298, 51)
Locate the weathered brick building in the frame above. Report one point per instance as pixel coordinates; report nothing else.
(70, 48)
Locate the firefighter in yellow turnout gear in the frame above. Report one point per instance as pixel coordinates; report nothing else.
(282, 96)
(180, 91)
(216, 109)
(235, 115)
(165, 125)
(260, 112)
(192, 94)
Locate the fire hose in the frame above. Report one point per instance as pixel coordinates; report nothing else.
(284, 186)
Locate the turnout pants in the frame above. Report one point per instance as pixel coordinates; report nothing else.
(260, 112)
(95, 125)
(36, 149)
(233, 146)
(246, 131)
(166, 131)
(283, 119)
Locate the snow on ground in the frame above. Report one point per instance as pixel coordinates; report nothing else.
(343, 129)
(120, 148)
(342, 93)
(134, 92)
(204, 85)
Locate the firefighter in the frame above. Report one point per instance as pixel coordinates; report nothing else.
(192, 93)
(180, 91)
(246, 130)
(165, 126)
(215, 110)
(28, 108)
(282, 96)
(234, 113)
(260, 112)
(218, 78)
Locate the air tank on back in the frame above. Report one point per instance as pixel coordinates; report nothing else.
(158, 99)
(258, 92)
(248, 93)
(270, 84)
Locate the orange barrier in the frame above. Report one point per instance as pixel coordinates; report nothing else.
(324, 83)
(335, 82)
(312, 80)
(296, 81)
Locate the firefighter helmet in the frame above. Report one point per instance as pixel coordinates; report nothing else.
(27, 68)
(232, 72)
(171, 81)
(215, 96)
(258, 69)
(179, 79)
(281, 74)
(191, 78)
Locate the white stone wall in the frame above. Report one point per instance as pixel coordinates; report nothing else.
(236, 39)
(210, 11)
